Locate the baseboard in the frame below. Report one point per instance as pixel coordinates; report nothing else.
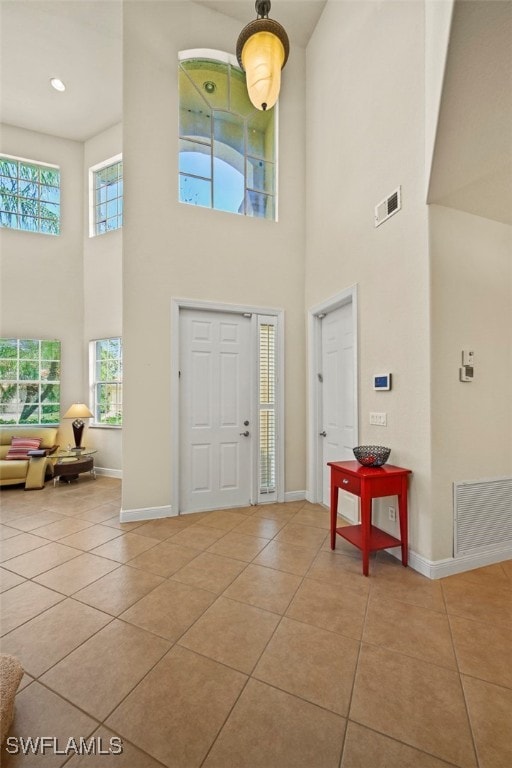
(438, 569)
(295, 496)
(106, 472)
(146, 513)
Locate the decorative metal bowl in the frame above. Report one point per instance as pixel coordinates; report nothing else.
(372, 455)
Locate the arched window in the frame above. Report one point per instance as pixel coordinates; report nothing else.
(227, 147)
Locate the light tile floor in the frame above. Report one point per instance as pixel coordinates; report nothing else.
(237, 639)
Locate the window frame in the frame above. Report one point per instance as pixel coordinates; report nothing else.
(95, 382)
(40, 382)
(268, 375)
(40, 165)
(93, 170)
(227, 58)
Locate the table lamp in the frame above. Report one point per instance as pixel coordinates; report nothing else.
(78, 412)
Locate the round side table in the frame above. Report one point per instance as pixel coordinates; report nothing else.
(68, 471)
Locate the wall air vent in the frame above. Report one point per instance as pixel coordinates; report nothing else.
(388, 206)
(482, 519)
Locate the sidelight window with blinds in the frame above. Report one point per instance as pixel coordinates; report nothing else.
(267, 407)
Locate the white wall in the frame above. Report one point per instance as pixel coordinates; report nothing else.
(42, 275)
(438, 22)
(471, 308)
(103, 279)
(175, 250)
(365, 136)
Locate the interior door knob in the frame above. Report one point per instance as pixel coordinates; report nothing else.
(323, 434)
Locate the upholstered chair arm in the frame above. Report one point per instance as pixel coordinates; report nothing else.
(37, 468)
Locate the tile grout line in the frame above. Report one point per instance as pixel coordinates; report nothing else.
(176, 643)
(461, 684)
(251, 675)
(356, 668)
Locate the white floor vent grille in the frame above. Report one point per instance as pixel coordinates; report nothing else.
(483, 515)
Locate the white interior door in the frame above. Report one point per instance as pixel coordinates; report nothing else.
(215, 410)
(338, 412)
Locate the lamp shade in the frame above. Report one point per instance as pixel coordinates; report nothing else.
(262, 59)
(262, 51)
(78, 411)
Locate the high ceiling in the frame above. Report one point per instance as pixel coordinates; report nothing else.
(472, 165)
(298, 17)
(80, 42)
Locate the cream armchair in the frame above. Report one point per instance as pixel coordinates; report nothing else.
(31, 472)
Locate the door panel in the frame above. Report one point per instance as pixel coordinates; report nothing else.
(201, 382)
(338, 408)
(215, 366)
(229, 384)
(229, 463)
(201, 467)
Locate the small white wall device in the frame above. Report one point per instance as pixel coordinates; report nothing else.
(466, 372)
(382, 382)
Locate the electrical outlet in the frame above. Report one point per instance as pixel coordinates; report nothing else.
(392, 514)
(378, 419)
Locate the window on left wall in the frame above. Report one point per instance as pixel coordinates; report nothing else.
(29, 381)
(29, 196)
(106, 196)
(106, 377)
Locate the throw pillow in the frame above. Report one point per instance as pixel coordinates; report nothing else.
(20, 446)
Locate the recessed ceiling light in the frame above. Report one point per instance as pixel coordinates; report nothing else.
(57, 84)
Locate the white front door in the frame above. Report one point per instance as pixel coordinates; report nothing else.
(215, 400)
(338, 407)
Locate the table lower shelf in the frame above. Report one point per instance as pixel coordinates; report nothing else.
(67, 471)
(379, 539)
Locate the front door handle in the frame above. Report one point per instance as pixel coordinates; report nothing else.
(245, 434)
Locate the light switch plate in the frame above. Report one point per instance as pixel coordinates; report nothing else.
(378, 419)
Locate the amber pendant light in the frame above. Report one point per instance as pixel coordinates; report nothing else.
(262, 51)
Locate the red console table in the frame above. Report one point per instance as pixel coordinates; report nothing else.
(369, 483)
